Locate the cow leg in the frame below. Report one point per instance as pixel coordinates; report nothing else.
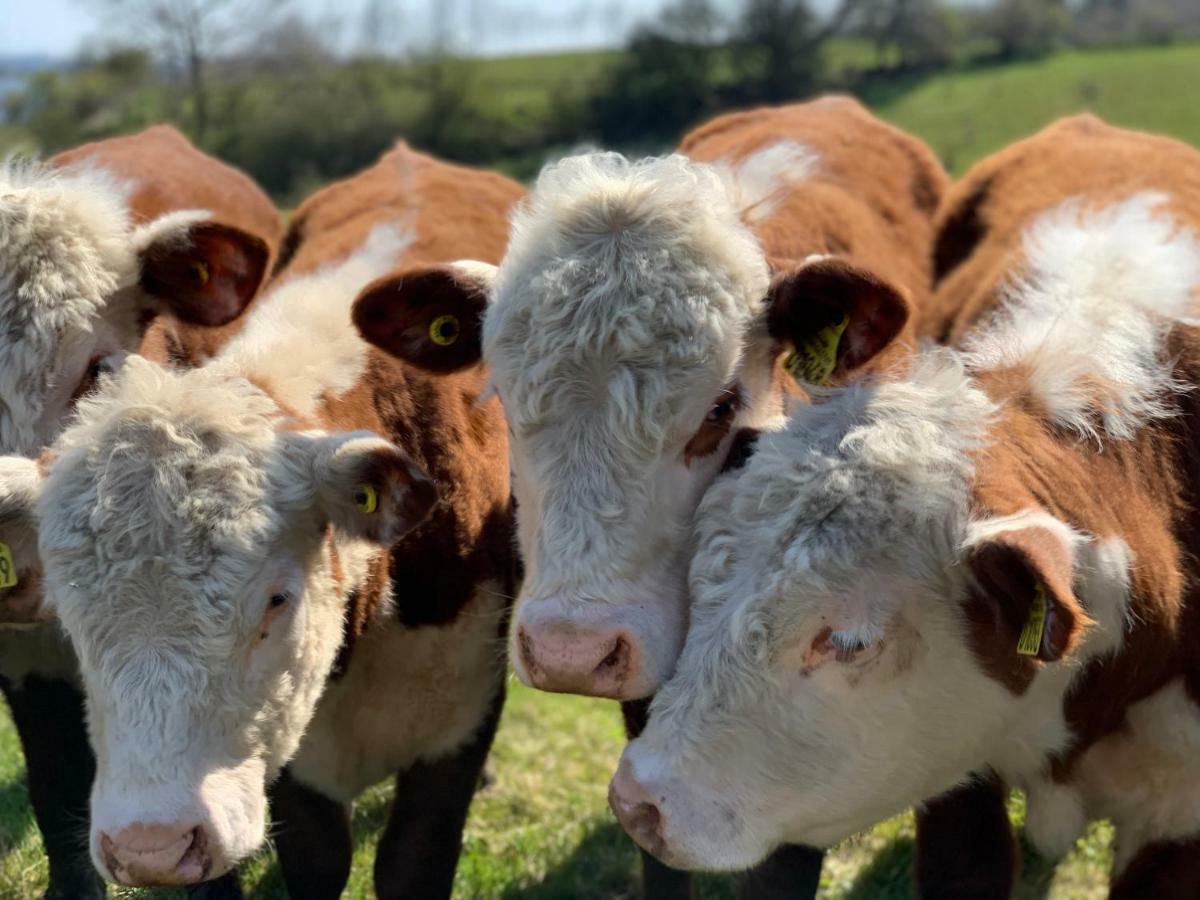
(658, 879)
(1167, 870)
(59, 768)
(312, 840)
(965, 844)
(227, 887)
(418, 852)
(790, 873)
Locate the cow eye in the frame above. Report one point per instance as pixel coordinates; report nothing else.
(97, 368)
(721, 410)
(279, 600)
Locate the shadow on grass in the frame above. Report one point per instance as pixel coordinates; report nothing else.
(603, 865)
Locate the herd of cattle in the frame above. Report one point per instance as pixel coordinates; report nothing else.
(859, 489)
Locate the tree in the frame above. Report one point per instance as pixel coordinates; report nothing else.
(778, 46)
(189, 34)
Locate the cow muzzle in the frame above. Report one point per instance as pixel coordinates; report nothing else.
(143, 854)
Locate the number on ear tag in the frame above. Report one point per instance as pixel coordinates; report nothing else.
(367, 499)
(443, 330)
(1030, 641)
(814, 359)
(8, 568)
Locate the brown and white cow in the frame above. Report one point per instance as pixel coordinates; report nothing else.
(213, 538)
(94, 245)
(988, 565)
(640, 320)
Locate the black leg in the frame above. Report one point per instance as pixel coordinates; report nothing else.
(59, 768)
(1167, 870)
(227, 887)
(312, 840)
(418, 852)
(659, 881)
(790, 873)
(965, 844)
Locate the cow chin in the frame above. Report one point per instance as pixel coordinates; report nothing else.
(180, 833)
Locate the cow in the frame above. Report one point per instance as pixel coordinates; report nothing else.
(983, 568)
(297, 553)
(119, 245)
(644, 315)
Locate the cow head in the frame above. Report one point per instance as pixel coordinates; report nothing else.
(78, 283)
(634, 327)
(858, 642)
(197, 548)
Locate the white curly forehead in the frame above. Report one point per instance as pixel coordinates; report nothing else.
(850, 481)
(164, 465)
(621, 277)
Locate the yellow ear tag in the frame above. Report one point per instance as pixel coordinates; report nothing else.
(1030, 641)
(201, 271)
(814, 360)
(443, 330)
(8, 569)
(367, 499)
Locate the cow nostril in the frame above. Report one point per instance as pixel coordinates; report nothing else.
(645, 825)
(525, 648)
(615, 664)
(197, 858)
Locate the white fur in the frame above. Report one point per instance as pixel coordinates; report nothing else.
(299, 338)
(756, 182)
(1088, 314)
(621, 311)
(408, 695)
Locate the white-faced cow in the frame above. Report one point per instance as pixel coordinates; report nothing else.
(94, 246)
(223, 547)
(988, 566)
(641, 318)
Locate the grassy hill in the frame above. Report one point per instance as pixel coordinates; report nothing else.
(966, 115)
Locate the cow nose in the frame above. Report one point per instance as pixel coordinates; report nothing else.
(142, 855)
(568, 659)
(636, 810)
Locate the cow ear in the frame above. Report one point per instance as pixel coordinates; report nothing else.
(368, 488)
(204, 273)
(20, 590)
(1024, 578)
(836, 316)
(431, 317)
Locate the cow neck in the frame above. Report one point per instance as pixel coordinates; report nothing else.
(1142, 491)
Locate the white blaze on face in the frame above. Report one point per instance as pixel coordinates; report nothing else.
(187, 552)
(826, 649)
(615, 340)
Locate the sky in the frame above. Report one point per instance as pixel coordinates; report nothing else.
(59, 27)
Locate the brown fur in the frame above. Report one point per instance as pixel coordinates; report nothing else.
(169, 173)
(872, 197)
(1145, 490)
(979, 225)
(453, 213)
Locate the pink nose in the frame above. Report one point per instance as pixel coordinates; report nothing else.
(143, 855)
(567, 659)
(636, 810)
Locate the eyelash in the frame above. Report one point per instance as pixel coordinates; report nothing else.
(279, 600)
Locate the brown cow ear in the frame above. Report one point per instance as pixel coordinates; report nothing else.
(207, 276)
(1024, 576)
(431, 317)
(837, 317)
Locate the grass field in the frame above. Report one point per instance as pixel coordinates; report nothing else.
(542, 829)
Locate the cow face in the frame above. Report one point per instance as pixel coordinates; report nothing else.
(846, 612)
(634, 330)
(197, 552)
(78, 283)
